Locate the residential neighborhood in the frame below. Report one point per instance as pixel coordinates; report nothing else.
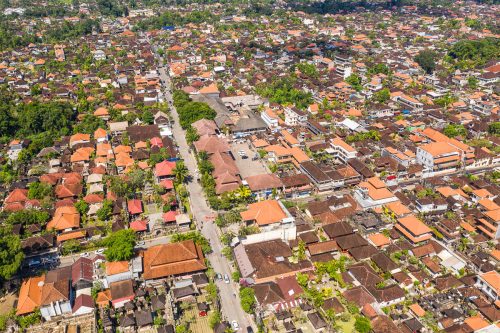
(262, 166)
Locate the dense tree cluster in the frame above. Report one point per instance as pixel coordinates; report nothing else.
(9, 38)
(427, 60)
(173, 19)
(196, 237)
(11, 254)
(69, 30)
(120, 245)
(472, 53)
(190, 111)
(282, 91)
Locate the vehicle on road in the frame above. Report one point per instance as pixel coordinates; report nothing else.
(242, 153)
(99, 251)
(249, 329)
(226, 279)
(84, 254)
(141, 243)
(244, 157)
(218, 276)
(234, 325)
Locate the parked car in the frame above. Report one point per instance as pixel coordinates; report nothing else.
(99, 251)
(249, 329)
(218, 276)
(226, 278)
(84, 254)
(234, 325)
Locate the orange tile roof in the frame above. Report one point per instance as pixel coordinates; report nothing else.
(417, 309)
(488, 204)
(79, 137)
(264, 212)
(30, 295)
(398, 208)
(341, 143)
(493, 279)
(494, 215)
(476, 323)
(77, 234)
(438, 148)
(379, 239)
(65, 217)
(173, 259)
(116, 267)
(413, 224)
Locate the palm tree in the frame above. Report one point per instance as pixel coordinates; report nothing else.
(243, 192)
(181, 172)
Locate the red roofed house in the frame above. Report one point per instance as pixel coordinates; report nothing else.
(139, 225)
(16, 200)
(164, 170)
(134, 207)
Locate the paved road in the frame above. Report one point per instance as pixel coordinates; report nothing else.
(228, 293)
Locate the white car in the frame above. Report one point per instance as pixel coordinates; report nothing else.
(84, 254)
(99, 251)
(241, 153)
(234, 325)
(226, 278)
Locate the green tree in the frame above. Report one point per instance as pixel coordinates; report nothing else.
(494, 128)
(302, 279)
(196, 236)
(247, 299)
(106, 210)
(236, 276)
(301, 250)
(27, 217)
(120, 245)
(147, 117)
(37, 190)
(191, 135)
(181, 329)
(193, 111)
(427, 60)
(181, 172)
(82, 207)
(472, 82)
(355, 81)
(89, 124)
(362, 325)
(453, 130)
(382, 96)
(214, 319)
(11, 254)
(71, 246)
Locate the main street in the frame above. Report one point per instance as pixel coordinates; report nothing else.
(203, 215)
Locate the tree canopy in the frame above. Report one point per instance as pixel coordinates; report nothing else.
(11, 254)
(247, 299)
(427, 60)
(120, 245)
(190, 111)
(362, 324)
(27, 217)
(282, 91)
(453, 130)
(472, 53)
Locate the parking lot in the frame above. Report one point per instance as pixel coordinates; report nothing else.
(247, 166)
